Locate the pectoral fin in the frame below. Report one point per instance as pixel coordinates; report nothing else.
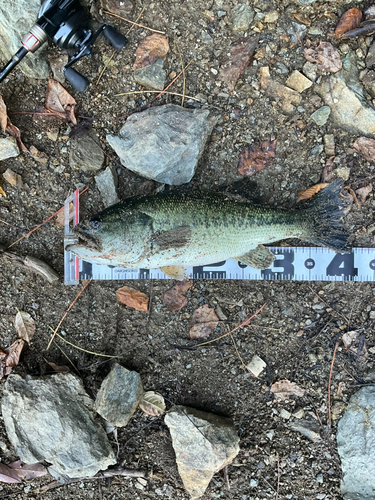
(176, 272)
(259, 258)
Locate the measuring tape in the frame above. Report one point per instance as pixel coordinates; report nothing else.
(291, 263)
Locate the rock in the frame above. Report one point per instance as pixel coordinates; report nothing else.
(372, 315)
(57, 63)
(242, 16)
(256, 365)
(8, 148)
(296, 32)
(285, 414)
(85, 152)
(163, 143)
(119, 395)
(16, 19)
(342, 173)
(107, 182)
(120, 7)
(38, 156)
(204, 443)
(310, 70)
(307, 427)
(238, 58)
(368, 81)
(355, 444)
(287, 97)
(370, 58)
(50, 419)
(151, 76)
(321, 115)
(297, 81)
(349, 73)
(271, 17)
(329, 144)
(13, 178)
(347, 110)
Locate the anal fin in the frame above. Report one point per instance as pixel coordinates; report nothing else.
(176, 272)
(259, 258)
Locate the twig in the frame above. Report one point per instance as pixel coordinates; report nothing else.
(132, 22)
(154, 92)
(66, 313)
(42, 224)
(31, 263)
(244, 323)
(183, 75)
(135, 22)
(106, 66)
(67, 357)
(226, 478)
(329, 385)
(81, 348)
(174, 79)
(239, 357)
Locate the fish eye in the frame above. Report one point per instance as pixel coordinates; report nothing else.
(95, 224)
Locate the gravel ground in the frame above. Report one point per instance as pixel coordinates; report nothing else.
(296, 331)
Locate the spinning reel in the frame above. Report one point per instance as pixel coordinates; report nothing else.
(66, 24)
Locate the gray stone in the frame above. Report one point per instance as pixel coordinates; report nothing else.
(107, 182)
(310, 70)
(242, 16)
(355, 444)
(51, 419)
(57, 63)
(8, 148)
(368, 81)
(297, 81)
(307, 427)
(256, 365)
(16, 19)
(297, 32)
(347, 110)
(151, 76)
(122, 8)
(163, 143)
(321, 115)
(349, 73)
(119, 395)
(370, 58)
(204, 443)
(85, 152)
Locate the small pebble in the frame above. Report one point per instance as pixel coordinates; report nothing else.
(321, 115)
(285, 414)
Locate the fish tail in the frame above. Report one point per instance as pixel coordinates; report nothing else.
(324, 214)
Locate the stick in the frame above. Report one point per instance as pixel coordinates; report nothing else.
(33, 264)
(66, 313)
(132, 22)
(329, 385)
(135, 22)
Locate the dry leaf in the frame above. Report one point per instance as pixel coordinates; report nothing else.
(7, 475)
(132, 298)
(152, 404)
(39, 156)
(302, 18)
(28, 472)
(365, 147)
(240, 57)
(284, 388)
(175, 298)
(60, 217)
(57, 368)
(150, 49)
(13, 178)
(7, 126)
(350, 20)
(309, 193)
(327, 173)
(203, 322)
(10, 357)
(256, 158)
(326, 57)
(60, 102)
(2, 191)
(362, 193)
(25, 326)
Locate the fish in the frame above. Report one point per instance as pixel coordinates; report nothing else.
(173, 230)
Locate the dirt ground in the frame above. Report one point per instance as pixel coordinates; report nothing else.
(296, 331)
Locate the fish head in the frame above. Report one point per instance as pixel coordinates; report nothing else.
(112, 237)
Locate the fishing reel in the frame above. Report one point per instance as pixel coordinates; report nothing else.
(66, 24)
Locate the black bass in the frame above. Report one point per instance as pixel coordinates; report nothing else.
(171, 231)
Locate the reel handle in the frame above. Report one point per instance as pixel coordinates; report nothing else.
(117, 40)
(78, 81)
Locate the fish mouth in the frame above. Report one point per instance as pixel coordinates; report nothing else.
(86, 238)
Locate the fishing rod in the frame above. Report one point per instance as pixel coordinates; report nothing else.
(66, 24)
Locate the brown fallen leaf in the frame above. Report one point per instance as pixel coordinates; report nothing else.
(25, 326)
(132, 298)
(150, 49)
(309, 193)
(28, 472)
(325, 56)
(365, 147)
(7, 475)
(175, 298)
(7, 126)
(2, 192)
(256, 158)
(362, 193)
(10, 357)
(13, 178)
(202, 322)
(39, 156)
(152, 404)
(350, 20)
(284, 388)
(57, 368)
(60, 217)
(302, 18)
(239, 58)
(59, 101)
